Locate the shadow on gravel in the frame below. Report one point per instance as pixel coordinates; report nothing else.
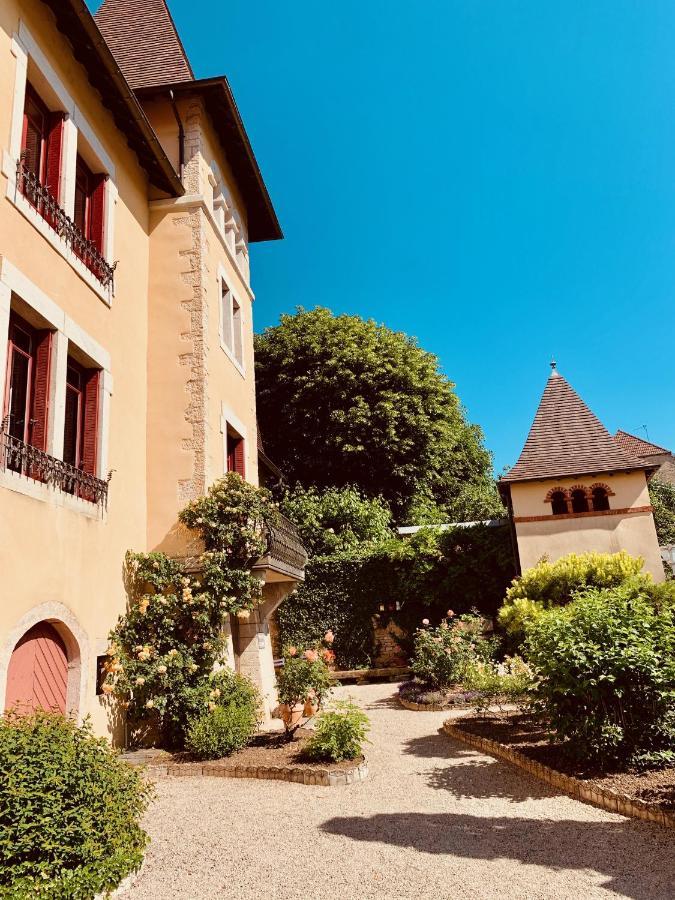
(636, 858)
(469, 774)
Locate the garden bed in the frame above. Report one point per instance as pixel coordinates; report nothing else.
(269, 756)
(526, 739)
(416, 696)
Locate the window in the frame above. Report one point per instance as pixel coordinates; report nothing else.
(232, 334)
(81, 417)
(89, 205)
(600, 499)
(558, 503)
(235, 452)
(579, 501)
(27, 384)
(41, 143)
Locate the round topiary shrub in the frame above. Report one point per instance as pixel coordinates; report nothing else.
(221, 731)
(70, 810)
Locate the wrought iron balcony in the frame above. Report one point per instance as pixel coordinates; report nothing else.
(17, 456)
(36, 193)
(285, 553)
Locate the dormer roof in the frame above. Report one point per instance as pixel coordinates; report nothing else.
(567, 439)
(145, 42)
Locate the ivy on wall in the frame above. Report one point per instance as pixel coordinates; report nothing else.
(415, 578)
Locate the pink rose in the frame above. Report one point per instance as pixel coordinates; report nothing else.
(329, 637)
(311, 655)
(425, 621)
(450, 613)
(292, 651)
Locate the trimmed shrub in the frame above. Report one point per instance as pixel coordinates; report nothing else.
(221, 731)
(605, 674)
(444, 655)
(555, 584)
(340, 733)
(69, 810)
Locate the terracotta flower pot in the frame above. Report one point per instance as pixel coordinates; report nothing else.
(310, 709)
(291, 715)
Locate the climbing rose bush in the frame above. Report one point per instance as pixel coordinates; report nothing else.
(305, 674)
(170, 639)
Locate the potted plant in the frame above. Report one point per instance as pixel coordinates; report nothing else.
(302, 684)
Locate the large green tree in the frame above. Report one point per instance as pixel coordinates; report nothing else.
(345, 401)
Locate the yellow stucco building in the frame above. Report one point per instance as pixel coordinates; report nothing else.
(129, 195)
(575, 489)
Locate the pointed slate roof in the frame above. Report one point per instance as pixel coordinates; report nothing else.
(567, 439)
(636, 446)
(143, 39)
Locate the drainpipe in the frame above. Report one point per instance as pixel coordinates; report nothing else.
(181, 135)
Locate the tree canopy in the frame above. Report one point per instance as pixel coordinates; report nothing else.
(344, 401)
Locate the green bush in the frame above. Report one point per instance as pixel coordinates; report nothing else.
(221, 731)
(69, 810)
(555, 584)
(340, 733)
(443, 655)
(662, 496)
(605, 673)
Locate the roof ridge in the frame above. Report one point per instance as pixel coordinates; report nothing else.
(655, 448)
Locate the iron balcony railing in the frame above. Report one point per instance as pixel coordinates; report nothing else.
(37, 465)
(284, 550)
(48, 207)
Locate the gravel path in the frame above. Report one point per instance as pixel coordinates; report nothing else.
(434, 819)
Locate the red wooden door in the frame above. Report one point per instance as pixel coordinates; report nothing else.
(38, 671)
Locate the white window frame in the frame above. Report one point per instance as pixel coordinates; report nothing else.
(231, 332)
(66, 331)
(25, 47)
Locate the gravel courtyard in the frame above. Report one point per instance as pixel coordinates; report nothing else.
(434, 819)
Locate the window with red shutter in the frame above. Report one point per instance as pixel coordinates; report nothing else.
(90, 424)
(41, 147)
(235, 453)
(26, 402)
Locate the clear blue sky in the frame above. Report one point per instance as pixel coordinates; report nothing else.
(496, 178)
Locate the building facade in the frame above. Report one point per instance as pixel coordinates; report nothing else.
(129, 196)
(575, 489)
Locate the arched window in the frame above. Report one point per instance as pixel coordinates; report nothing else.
(558, 503)
(600, 499)
(579, 501)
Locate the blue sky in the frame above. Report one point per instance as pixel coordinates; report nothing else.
(496, 178)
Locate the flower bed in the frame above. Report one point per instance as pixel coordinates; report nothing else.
(269, 756)
(525, 741)
(417, 696)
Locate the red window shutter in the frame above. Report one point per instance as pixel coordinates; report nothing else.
(90, 428)
(239, 465)
(97, 212)
(40, 413)
(54, 149)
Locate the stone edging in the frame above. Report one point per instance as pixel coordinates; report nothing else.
(575, 787)
(296, 774)
(432, 707)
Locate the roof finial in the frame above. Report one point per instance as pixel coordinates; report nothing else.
(554, 370)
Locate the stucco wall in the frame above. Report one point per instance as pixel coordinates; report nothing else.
(633, 531)
(54, 558)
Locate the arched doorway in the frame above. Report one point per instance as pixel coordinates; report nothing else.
(37, 675)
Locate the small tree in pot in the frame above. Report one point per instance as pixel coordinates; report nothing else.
(303, 683)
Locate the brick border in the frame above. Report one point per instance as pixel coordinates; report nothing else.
(295, 774)
(580, 790)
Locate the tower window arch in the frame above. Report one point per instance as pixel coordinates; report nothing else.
(558, 503)
(600, 498)
(579, 501)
